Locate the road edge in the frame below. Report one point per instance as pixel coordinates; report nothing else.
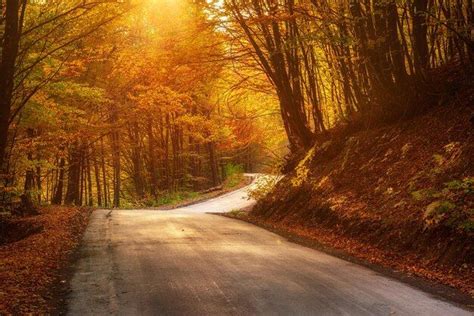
(439, 291)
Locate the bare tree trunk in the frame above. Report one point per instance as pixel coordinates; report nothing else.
(166, 162)
(58, 194)
(104, 175)
(395, 47)
(115, 140)
(82, 180)
(420, 28)
(29, 179)
(90, 200)
(38, 183)
(10, 42)
(116, 163)
(213, 164)
(30, 175)
(136, 160)
(97, 178)
(74, 176)
(152, 159)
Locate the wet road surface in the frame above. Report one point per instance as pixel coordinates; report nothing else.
(187, 262)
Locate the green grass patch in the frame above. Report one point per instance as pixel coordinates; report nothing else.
(234, 175)
(172, 198)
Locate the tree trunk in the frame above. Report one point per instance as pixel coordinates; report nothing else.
(90, 199)
(104, 175)
(420, 27)
(30, 175)
(116, 159)
(152, 159)
(82, 179)
(58, 194)
(11, 38)
(213, 164)
(97, 179)
(395, 47)
(74, 177)
(38, 183)
(136, 160)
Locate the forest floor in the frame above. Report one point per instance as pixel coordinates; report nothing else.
(399, 196)
(35, 254)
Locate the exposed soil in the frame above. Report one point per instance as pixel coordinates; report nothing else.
(34, 254)
(400, 195)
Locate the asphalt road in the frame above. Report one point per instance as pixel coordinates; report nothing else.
(186, 262)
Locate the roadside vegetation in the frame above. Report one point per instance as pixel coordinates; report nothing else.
(393, 195)
(234, 179)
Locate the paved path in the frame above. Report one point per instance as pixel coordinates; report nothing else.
(186, 262)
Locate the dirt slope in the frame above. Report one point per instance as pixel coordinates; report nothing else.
(400, 195)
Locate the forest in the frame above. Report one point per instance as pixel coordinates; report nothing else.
(128, 104)
(103, 102)
(140, 103)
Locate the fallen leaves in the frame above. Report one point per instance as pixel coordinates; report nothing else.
(30, 268)
(376, 209)
(410, 264)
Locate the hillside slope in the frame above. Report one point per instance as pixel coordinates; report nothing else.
(400, 195)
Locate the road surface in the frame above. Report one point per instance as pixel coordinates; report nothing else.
(187, 262)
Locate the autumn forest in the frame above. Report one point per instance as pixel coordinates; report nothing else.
(145, 103)
(110, 101)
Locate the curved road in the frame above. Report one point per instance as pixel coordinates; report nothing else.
(186, 262)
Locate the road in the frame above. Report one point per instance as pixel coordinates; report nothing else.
(187, 262)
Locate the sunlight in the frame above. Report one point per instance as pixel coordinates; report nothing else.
(337, 124)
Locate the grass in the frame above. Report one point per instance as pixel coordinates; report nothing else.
(173, 198)
(234, 179)
(234, 175)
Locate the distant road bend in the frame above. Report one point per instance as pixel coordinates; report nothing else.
(187, 262)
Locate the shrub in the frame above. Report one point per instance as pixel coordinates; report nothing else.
(233, 174)
(262, 186)
(453, 210)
